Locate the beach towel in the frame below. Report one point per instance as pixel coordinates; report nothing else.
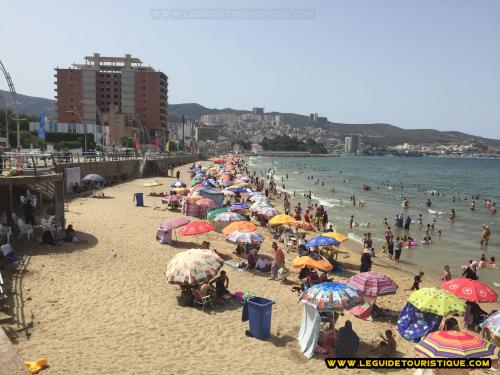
(234, 265)
(309, 330)
(413, 324)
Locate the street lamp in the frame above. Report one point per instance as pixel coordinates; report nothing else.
(183, 138)
(81, 122)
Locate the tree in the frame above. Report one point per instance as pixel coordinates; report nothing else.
(127, 142)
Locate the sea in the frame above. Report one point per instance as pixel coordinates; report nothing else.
(390, 179)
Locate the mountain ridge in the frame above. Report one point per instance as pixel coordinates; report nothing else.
(376, 133)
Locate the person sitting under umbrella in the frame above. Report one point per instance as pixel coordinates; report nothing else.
(347, 341)
(451, 324)
(221, 284)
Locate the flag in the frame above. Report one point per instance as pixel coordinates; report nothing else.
(137, 143)
(41, 128)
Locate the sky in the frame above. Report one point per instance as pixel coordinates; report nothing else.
(414, 64)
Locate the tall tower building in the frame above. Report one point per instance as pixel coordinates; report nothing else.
(103, 87)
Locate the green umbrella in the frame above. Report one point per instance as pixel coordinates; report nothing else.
(436, 301)
(212, 214)
(194, 182)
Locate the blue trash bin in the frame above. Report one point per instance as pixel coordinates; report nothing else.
(139, 199)
(259, 314)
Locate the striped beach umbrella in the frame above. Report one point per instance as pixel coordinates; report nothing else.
(193, 267)
(239, 206)
(455, 344)
(436, 301)
(492, 323)
(229, 216)
(267, 211)
(329, 296)
(373, 284)
(245, 237)
(212, 214)
(470, 290)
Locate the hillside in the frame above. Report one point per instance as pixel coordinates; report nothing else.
(375, 134)
(31, 105)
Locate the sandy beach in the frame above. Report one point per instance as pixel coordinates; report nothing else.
(104, 307)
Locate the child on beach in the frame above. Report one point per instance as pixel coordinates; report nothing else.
(387, 346)
(416, 282)
(447, 274)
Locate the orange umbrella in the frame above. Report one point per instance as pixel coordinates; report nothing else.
(239, 226)
(323, 264)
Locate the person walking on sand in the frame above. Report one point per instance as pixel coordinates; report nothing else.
(278, 262)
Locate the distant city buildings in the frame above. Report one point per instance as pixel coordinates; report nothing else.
(313, 117)
(206, 133)
(352, 144)
(258, 110)
(118, 92)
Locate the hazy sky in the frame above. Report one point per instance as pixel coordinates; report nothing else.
(415, 64)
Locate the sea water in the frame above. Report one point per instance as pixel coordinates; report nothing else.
(391, 178)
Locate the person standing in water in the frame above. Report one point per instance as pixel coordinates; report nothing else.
(351, 221)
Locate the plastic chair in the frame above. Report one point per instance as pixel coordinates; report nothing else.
(5, 232)
(24, 229)
(200, 300)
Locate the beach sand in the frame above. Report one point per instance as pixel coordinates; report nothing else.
(104, 307)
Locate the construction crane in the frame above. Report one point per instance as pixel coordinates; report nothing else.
(12, 90)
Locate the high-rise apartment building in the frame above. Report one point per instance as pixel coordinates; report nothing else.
(352, 144)
(103, 87)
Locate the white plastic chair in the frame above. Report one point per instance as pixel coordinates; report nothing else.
(54, 225)
(24, 229)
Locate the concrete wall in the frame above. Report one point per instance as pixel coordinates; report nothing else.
(108, 169)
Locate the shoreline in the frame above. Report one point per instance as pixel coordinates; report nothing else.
(108, 298)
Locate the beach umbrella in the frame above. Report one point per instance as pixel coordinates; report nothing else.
(94, 178)
(436, 301)
(182, 191)
(152, 183)
(206, 202)
(193, 267)
(302, 225)
(281, 219)
(229, 193)
(260, 204)
(171, 198)
(174, 223)
(245, 237)
(238, 190)
(492, 323)
(195, 228)
(212, 214)
(178, 184)
(257, 197)
(373, 284)
(267, 211)
(337, 236)
(319, 241)
(470, 290)
(239, 206)
(330, 296)
(229, 216)
(239, 226)
(306, 261)
(455, 344)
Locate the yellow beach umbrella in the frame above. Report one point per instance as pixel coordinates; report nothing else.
(281, 219)
(336, 235)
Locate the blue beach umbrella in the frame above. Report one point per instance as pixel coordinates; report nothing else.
(329, 296)
(322, 241)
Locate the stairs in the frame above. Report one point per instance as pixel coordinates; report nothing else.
(46, 188)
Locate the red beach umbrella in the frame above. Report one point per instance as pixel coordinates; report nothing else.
(206, 202)
(470, 290)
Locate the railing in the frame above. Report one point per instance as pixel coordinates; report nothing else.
(39, 163)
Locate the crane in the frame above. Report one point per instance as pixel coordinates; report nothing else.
(12, 90)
